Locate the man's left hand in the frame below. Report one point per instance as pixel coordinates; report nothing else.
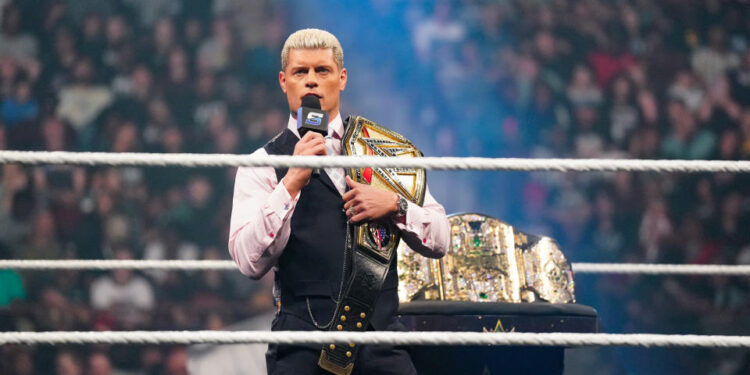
(368, 203)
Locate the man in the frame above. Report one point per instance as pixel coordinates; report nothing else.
(295, 222)
(128, 297)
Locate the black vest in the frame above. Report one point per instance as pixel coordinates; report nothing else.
(310, 266)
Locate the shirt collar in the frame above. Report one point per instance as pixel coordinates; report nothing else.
(336, 125)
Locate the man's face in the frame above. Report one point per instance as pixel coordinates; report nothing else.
(313, 71)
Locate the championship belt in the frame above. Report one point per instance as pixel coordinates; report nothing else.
(374, 244)
(488, 261)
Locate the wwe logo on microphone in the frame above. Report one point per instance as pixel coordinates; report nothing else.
(314, 118)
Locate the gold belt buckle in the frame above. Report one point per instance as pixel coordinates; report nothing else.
(329, 366)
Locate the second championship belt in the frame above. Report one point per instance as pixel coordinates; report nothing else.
(372, 244)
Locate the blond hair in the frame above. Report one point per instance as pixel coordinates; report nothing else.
(312, 39)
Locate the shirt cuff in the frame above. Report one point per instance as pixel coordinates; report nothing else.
(280, 202)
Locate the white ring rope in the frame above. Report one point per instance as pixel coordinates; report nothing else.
(663, 269)
(373, 338)
(111, 264)
(438, 163)
(226, 265)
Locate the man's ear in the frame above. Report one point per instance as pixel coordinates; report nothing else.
(282, 81)
(342, 77)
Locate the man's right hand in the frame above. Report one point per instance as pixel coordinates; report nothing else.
(296, 178)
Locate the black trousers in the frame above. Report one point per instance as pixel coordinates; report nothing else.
(303, 359)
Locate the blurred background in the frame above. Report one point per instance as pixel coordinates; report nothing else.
(507, 78)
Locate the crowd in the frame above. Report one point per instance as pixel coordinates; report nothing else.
(610, 79)
(555, 78)
(126, 76)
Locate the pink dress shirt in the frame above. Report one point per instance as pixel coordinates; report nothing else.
(262, 210)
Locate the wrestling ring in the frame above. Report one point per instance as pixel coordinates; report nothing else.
(401, 338)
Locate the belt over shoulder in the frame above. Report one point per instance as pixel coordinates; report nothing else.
(373, 244)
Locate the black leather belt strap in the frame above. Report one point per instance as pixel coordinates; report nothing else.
(358, 302)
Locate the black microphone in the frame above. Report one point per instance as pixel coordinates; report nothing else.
(311, 118)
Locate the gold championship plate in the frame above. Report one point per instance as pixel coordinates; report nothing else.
(488, 261)
(366, 138)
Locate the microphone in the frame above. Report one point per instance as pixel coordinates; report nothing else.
(311, 118)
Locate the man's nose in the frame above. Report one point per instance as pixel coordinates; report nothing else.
(310, 80)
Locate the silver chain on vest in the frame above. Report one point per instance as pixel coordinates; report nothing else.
(347, 250)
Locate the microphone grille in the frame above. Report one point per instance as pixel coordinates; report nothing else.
(311, 101)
